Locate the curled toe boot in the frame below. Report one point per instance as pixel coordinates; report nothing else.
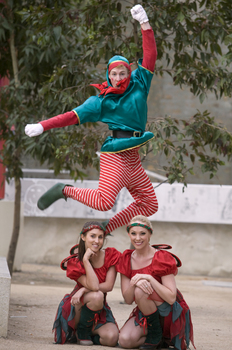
(51, 196)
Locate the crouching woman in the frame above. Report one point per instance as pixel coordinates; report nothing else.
(161, 318)
(83, 316)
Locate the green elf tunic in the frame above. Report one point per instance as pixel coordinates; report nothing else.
(126, 111)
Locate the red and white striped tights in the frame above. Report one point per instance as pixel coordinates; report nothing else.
(118, 170)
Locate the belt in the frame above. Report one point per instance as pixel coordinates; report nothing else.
(122, 134)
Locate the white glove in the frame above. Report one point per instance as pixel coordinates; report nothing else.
(139, 14)
(34, 129)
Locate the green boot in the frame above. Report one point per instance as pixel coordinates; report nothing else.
(85, 325)
(51, 196)
(154, 332)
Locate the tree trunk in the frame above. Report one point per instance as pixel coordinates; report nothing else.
(14, 59)
(16, 226)
(17, 202)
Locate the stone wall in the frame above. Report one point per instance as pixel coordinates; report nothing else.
(196, 223)
(204, 249)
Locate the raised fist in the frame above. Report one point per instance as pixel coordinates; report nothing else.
(139, 14)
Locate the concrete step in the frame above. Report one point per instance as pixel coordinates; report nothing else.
(5, 285)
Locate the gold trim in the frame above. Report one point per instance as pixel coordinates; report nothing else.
(127, 149)
(146, 69)
(79, 122)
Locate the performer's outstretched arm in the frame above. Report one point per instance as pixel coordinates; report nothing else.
(149, 49)
(61, 120)
(149, 44)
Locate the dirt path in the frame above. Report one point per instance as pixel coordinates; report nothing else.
(37, 290)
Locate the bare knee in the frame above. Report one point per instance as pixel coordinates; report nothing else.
(98, 297)
(125, 340)
(127, 334)
(110, 338)
(139, 294)
(128, 341)
(96, 300)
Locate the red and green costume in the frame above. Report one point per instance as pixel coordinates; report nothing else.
(177, 329)
(64, 324)
(124, 110)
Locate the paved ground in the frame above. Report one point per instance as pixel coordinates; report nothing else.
(37, 290)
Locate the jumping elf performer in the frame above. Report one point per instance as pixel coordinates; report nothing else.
(122, 104)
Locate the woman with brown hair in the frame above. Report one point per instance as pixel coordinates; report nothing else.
(83, 316)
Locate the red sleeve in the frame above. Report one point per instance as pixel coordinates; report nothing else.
(61, 120)
(112, 257)
(124, 263)
(149, 50)
(164, 264)
(74, 269)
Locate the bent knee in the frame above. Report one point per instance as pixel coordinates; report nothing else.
(153, 208)
(111, 338)
(125, 341)
(150, 207)
(139, 293)
(97, 298)
(105, 206)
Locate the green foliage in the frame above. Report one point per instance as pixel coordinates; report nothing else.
(79, 147)
(185, 142)
(194, 43)
(62, 46)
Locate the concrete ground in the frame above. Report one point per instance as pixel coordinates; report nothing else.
(37, 290)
